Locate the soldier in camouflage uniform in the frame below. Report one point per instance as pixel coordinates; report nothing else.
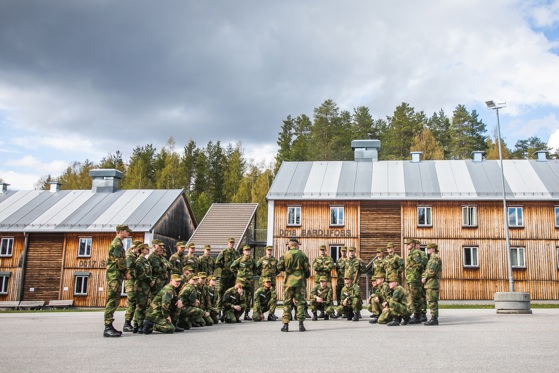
(142, 287)
(177, 259)
(322, 299)
(380, 295)
(207, 262)
(322, 266)
(340, 272)
(431, 279)
(234, 302)
(378, 262)
(212, 293)
(354, 267)
(191, 259)
(295, 264)
(224, 260)
(245, 267)
(265, 300)
(162, 308)
(424, 260)
(267, 266)
(414, 269)
(351, 303)
(396, 308)
(115, 274)
(190, 313)
(158, 268)
(204, 298)
(131, 257)
(394, 265)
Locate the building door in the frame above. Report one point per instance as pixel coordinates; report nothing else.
(43, 267)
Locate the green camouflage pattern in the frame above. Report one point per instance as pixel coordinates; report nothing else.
(327, 304)
(193, 261)
(353, 294)
(265, 300)
(322, 266)
(354, 268)
(233, 298)
(131, 258)
(142, 288)
(158, 271)
(176, 261)
(398, 305)
(115, 274)
(394, 266)
(245, 268)
(267, 267)
(340, 269)
(433, 300)
(206, 264)
(296, 266)
(161, 308)
(190, 311)
(432, 273)
(227, 278)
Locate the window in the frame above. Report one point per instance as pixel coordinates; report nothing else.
(469, 216)
(123, 289)
(84, 249)
(294, 215)
(335, 252)
(4, 277)
(557, 257)
(515, 217)
(470, 257)
(80, 284)
(336, 216)
(126, 243)
(7, 246)
(557, 217)
(424, 217)
(517, 257)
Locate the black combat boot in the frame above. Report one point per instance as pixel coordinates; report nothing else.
(307, 314)
(359, 314)
(350, 316)
(405, 320)
(326, 317)
(321, 315)
(247, 317)
(416, 319)
(433, 321)
(301, 327)
(222, 316)
(285, 328)
(141, 328)
(148, 327)
(272, 317)
(395, 321)
(373, 320)
(127, 326)
(314, 316)
(178, 329)
(136, 328)
(116, 331)
(356, 316)
(423, 317)
(335, 315)
(110, 331)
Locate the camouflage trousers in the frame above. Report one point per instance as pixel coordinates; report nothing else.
(114, 288)
(355, 305)
(375, 308)
(393, 310)
(130, 300)
(187, 315)
(433, 299)
(258, 312)
(423, 300)
(249, 292)
(322, 306)
(225, 283)
(231, 315)
(214, 314)
(291, 294)
(339, 287)
(161, 324)
(416, 293)
(142, 297)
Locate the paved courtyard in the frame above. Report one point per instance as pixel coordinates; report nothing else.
(468, 340)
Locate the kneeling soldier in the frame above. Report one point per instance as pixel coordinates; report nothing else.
(322, 299)
(234, 302)
(397, 306)
(265, 300)
(161, 308)
(190, 312)
(351, 300)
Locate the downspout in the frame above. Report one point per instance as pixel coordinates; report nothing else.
(22, 265)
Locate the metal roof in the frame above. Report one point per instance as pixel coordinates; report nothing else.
(424, 180)
(83, 210)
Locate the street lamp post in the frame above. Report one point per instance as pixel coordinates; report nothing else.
(496, 106)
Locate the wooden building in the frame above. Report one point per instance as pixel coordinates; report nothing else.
(54, 244)
(457, 204)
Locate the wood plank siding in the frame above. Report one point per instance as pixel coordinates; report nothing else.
(12, 264)
(43, 267)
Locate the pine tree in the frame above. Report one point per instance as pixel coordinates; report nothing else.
(425, 142)
(403, 126)
(526, 149)
(439, 125)
(141, 170)
(326, 117)
(467, 133)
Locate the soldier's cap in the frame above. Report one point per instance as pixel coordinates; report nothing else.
(347, 277)
(246, 247)
(207, 247)
(379, 275)
(390, 245)
(189, 277)
(322, 247)
(323, 278)
(266, 279)
(351, 248)
(393, 278)
(143, 246)
(293, 239)
(379, 250)
(211, 278)
(202, 275)
(269, 248)
(231, 239)
(136, 243)
(188, 267)
(432, 246)
(123, 227)
(343, 248)
(176, 277)
(191, 244)
(180, 244)
(156, 242)
(240, 281)
(416, 242)
(195, 277)
(409, 240)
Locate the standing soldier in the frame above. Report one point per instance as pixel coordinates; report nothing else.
(295, 264)
(245, 267)
(431, 279)
(177, 259)
(414, 269)
(142, 286)
(191, 258)
(393, 264)
(224, 260)
(424, 260)
(322, 299)
(396, 308)
(378, 262)
(234, 302)
(265, 300)
(267, 266)
(207, 263)
(115, 274)
(158, 268)
(162, 308)
(322, 266)
(340, 272)
(131, 257)
(354, 268)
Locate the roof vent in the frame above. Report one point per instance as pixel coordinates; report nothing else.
(4, 187)
(416, 157)
(365, 150)
(478, 155)
(105, 180)
(542, 155)
(54, 186)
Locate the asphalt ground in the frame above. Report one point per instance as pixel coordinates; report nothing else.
(467, 340)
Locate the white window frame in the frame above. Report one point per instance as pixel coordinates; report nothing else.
(427, 214)
(516, 219)
(126, 243)
(556, 216)
(84, 284)
(7, 247)
(87, 240)
(294, 215)
(337, 216)
(4, 278)
(469, 216)
(474, 256)
(517, 254)
(335, 252)
(123, 289)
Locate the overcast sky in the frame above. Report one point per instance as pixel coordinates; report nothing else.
(82, 79)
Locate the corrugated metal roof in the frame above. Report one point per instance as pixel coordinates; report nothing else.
(83, 210)
(406, 180)
(224, 220)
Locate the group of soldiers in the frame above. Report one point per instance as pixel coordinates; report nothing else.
(184, 291)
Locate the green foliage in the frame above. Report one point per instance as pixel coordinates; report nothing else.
(403, 127)
(467, 133)
(526, 149)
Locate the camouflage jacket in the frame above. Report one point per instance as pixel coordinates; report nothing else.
(351, 292)
(158, 268)
(393, 265)
(354, 268)
(116, 262)
(131, 258)
(188, 295)
(295, 264)
(340, 269)
(192, 261)
(398, 296)
(224, 260)
(244, 267)
(378, 266)
(414, 266)
(163, 301)
(322, 265)
(176, 261)
(267, 267)
(143, 274)
(233, 298)
(203, 297)
(206, 264)
(213, 294)
(432, 273)
(326, 294)
(262, 297)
